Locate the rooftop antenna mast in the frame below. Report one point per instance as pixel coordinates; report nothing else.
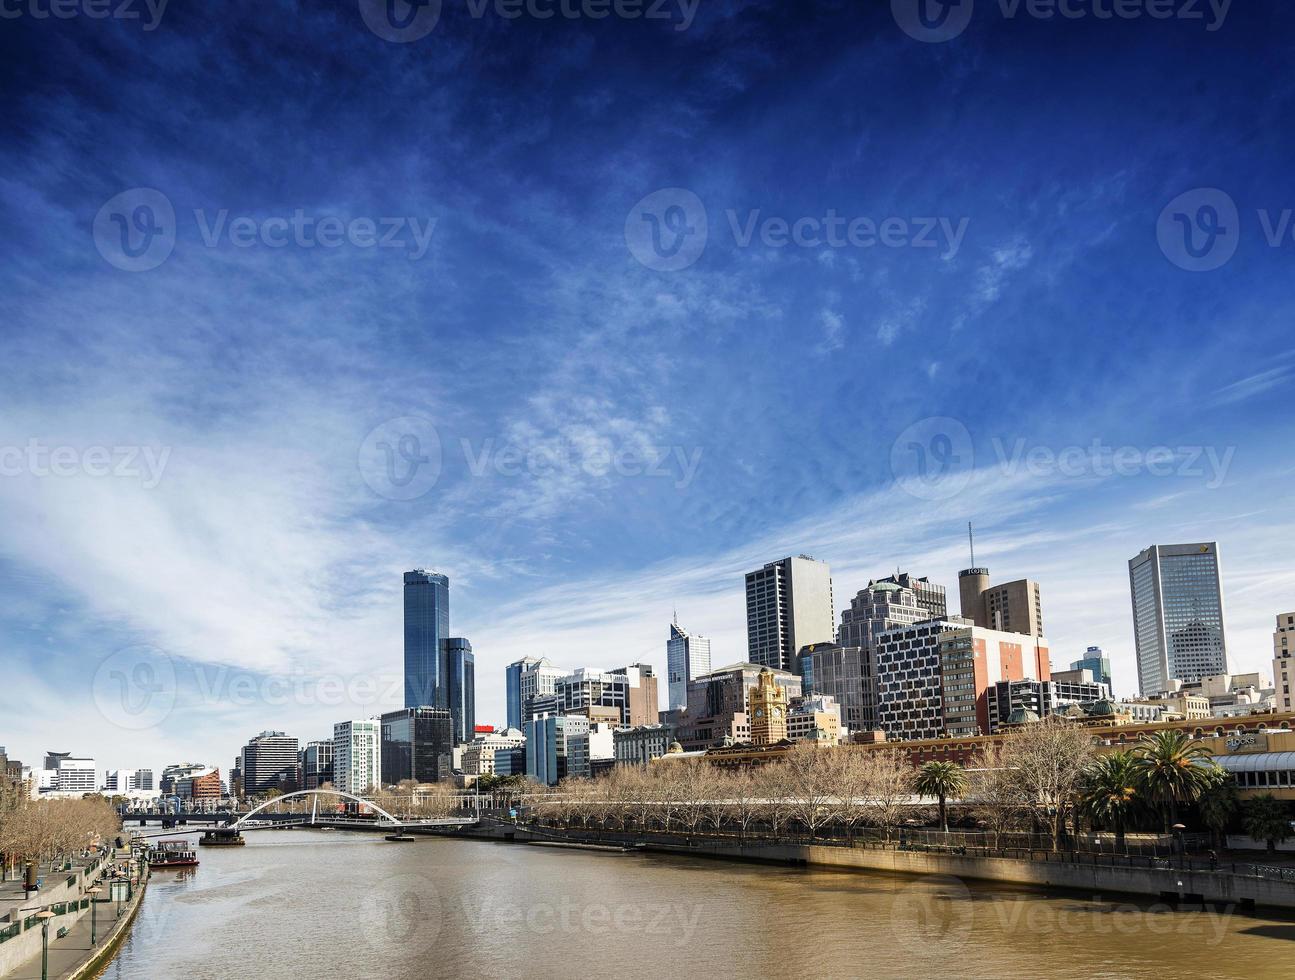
(971, 541)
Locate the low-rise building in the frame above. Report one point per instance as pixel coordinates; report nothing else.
(479, 757)
(809, 715)
(641, 744)
(586, 748)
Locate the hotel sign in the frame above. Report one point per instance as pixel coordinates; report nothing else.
(1248, 742)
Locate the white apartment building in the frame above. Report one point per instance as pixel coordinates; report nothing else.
(357, 755)
(76, 776)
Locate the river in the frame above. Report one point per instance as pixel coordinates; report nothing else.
(312, 905)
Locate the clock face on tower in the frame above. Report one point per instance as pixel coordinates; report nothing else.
(759, 712)
(777, 712)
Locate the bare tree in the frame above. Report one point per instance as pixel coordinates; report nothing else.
(1047, 761)
(887, 786)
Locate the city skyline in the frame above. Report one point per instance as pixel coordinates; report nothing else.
(234, 476)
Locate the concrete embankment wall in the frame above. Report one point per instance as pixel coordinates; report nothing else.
(1210, 886)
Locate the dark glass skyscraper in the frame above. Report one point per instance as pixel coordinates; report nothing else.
(427, 626)
(461, 677)
(416, 745)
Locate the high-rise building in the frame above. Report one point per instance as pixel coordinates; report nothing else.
(75, 775)
(357, 755)
(843, 674)
(548, 746)
(930, 597)
(462, 688)
(641, 706)
(1284, 661)
(882, 606)
(788, 606)
(1013, 607)
(417, 744)
(585, 749)
(427, 627)
(1095, 660)
(316, 764)
(144, 779)
(199, 784)
(536, 678)
(687, 658)
(268, 761)
(1178, 628)
(513, 688)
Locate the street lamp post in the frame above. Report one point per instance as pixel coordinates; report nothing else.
(44, 915)
(1178, 829)
(94, 932)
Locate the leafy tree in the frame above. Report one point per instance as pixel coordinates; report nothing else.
(1110, 792)
(1218, 805)
(1266, 819)
(941, 780)
(1172, 769)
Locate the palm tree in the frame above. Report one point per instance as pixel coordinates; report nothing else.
(1110, 792)
(1267, 819)
(941, 780)
(1218, 804)
(1172, 769)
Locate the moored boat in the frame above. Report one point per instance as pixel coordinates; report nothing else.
(222, 837)
(175, 852)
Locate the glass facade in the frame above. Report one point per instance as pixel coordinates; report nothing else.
(416, 744)
(1177, 614)
(427, 626)
(461, 681)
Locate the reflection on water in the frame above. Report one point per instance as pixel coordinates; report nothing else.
(297, 903)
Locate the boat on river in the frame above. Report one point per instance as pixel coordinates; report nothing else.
(174, 852)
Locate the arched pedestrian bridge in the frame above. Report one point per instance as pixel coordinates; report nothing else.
(388, 821)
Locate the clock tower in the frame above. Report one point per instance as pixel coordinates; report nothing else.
(767, 709)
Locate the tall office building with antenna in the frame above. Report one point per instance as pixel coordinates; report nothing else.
(1013, 607)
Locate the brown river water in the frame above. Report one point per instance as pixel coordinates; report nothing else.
(318, 905)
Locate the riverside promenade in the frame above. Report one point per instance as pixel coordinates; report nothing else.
(72, 955)
(1179, 881)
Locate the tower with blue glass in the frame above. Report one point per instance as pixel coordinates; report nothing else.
(427, 627)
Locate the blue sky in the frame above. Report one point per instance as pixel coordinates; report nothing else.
(607, 436)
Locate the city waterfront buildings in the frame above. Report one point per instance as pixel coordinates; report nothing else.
(585, 749)
(788, 606)
(687, 658)
(479, 757)
(417, 744)
(548, 746)
(427, 627)
(1178, 626)
(1041, 698)
(75, 775)
(814, 716)
(1283, 668)
(843, 673)
(513, 688)
(268, 761)
(316, 764)
(642, 744)
(461, 689)
(717, 705)
(641, 704)
(1095, 660)
(1013, 607)
(767, 710)
(357, 754)
(535, 678)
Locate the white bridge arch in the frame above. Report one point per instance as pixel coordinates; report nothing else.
(316, 793)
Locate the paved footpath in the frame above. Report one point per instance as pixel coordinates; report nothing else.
(68, 953)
